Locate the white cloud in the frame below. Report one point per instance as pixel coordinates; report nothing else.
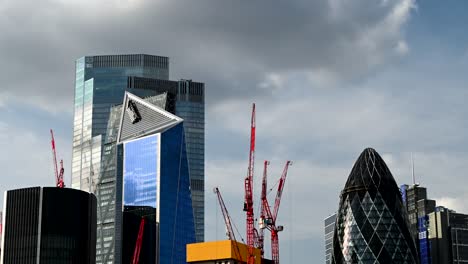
(457, 204)
(402, 48)
(272, 82)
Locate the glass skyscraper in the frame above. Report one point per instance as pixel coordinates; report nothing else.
(152, 161)
(100, 84)
(372, 224)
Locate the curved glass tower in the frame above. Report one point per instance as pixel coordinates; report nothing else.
(372, 224)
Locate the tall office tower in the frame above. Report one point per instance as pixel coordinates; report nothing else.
(106, 231)
(154, 184)
(416, 203)
(186, 99)
(447, 232)
(372, 224)
(329, 230)
(100, 84)
(49, 225)
(418, 207)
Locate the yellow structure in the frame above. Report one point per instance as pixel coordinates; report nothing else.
(219, 250)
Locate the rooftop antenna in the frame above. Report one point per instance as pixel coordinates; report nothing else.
(412, 169)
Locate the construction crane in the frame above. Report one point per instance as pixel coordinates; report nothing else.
(262, 224)
(139, 241)
(248, 186)
(269, 221)
(228, 221)
(58, 174)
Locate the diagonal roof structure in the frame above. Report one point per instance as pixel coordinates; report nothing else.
(140, 118)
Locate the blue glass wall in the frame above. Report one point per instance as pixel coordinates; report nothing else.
(424, 243)
(403, 189)
(140, 172)
(177, 226)
(193, 114)
(176, 218)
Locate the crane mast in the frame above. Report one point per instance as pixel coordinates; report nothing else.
(262, 223)
(58, 174)
(227, 218)
(248, 184)
(228, 221)
(270, 218)
(139, 242)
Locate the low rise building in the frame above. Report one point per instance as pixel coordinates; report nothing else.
(222, 252)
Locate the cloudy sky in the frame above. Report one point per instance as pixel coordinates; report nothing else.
(330, 77)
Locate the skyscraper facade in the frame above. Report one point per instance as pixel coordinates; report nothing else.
(1, 231)
(418, 207)
(329, 231)
(101, 82)
(154, 183)
(417, 204)
(49, 225)
(372, 224)
(447, 233)
(186, 99)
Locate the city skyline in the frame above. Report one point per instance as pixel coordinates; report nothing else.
(394, 80)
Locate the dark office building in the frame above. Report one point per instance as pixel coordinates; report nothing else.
(49, 225)
(447, 233)
(417, 205)
(131, 222)
(1, 231)
(101, 82)
(372, 223)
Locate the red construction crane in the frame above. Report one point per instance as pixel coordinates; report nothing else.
(270, 219)
(58, 174)
(139, 241)
(248, 184)
(228, 221)
(262, 223)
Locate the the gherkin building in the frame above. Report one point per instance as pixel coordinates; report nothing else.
(372, 224)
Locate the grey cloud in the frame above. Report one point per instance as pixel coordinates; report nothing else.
(231, 46)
